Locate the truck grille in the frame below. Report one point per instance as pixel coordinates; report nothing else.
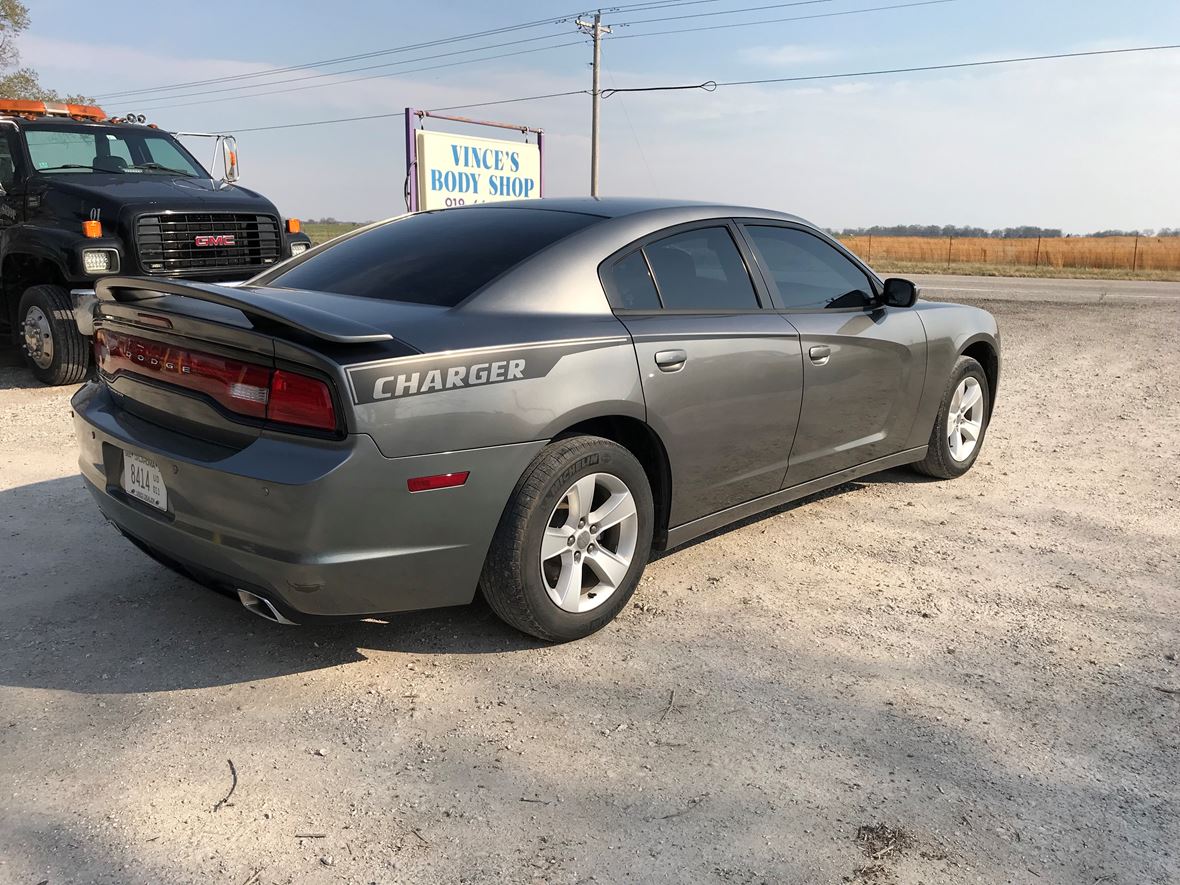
(205, 242)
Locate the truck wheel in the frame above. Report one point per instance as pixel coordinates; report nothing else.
(573, 540)
(58, 353)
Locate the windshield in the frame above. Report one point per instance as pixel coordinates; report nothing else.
(435, 258)
(110, 149)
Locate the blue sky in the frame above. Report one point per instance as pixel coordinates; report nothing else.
(1077, 144)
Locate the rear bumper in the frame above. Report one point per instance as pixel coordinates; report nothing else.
(321, 529)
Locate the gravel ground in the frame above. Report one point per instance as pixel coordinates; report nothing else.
(900, 681)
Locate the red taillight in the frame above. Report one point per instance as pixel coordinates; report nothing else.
(243, 388)
(438, 481)
(297, 399)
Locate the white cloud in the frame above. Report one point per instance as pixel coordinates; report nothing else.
(787, 55)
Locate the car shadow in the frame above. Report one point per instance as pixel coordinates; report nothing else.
(82, 610)
(15, 376)
(900, 475)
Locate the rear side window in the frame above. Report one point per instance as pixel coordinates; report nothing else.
(701, 270)
(634, 288)
(433, 258)
(809, 273)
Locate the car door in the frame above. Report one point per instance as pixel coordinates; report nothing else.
(864, 364)
(11, 177)
(721, 373)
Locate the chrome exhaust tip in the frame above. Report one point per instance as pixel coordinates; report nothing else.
(262, 607)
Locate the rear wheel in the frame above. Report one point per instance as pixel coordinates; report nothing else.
(57, 352)
(573, 540)
(962, 421)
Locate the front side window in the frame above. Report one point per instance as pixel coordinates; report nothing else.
(56, 150)
(701, 269)
(809, 273)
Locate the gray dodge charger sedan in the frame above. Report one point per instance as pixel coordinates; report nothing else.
(524, 398)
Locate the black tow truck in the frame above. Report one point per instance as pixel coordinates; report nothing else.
(83, 196)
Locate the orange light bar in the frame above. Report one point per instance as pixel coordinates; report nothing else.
(92, 229)
(27, 108)
(294, 225)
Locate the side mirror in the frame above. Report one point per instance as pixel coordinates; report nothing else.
(900, 293)
(229, 158)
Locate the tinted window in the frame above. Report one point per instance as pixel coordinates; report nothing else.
(701, 269)
(633, 285)
(432, 258)
(808, 272)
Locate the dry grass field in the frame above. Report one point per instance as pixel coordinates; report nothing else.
(1146, 257)
(321, 233)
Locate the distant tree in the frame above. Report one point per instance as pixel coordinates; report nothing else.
(946, 230)
(15, 81)
(1026, 232)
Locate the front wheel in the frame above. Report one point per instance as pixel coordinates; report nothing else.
(57, 352)
(962, 421)
(573, 541)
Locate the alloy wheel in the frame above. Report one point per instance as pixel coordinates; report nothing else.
(964, 422)
(589, 542)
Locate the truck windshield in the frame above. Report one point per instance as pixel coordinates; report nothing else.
(119, 150)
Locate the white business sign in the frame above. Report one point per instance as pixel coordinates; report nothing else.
(458, 170)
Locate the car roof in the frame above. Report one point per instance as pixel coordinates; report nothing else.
(620, 207)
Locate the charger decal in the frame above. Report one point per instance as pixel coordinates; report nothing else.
(414, 376)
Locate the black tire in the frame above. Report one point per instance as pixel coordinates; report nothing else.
(939, 462)
(70, 360)
(511, 580)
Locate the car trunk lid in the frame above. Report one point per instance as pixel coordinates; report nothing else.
(226, 364)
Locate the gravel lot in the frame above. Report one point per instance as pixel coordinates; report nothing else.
(901, 681)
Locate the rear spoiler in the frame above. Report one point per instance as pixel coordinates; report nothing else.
(255, 305)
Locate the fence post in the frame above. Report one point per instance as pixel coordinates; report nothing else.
(1037, 260)
(950, 242)
(869, 260)
(1135, 256)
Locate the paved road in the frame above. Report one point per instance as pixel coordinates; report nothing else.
(1057, 291)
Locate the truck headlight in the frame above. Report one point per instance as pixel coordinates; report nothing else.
(299, 249)
(100, 260)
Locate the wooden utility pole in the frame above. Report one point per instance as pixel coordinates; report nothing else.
(595, 29)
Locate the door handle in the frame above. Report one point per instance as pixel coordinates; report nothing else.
(820, 354)
(671, 360)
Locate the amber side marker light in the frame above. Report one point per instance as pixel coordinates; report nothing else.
(294, 226)
(438, 481)
(92, 229)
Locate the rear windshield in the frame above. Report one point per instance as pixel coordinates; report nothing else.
(434, 258)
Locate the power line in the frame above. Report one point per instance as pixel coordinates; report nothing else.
(370, 77)
(942, 67)
(644, 6)
(402, 113)
(770, 21)
(168, 105)
(202, 94)
(946, 67)
(387, 64)
(329, 74)
(724, 12)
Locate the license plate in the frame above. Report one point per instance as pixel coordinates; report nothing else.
(142, 479)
